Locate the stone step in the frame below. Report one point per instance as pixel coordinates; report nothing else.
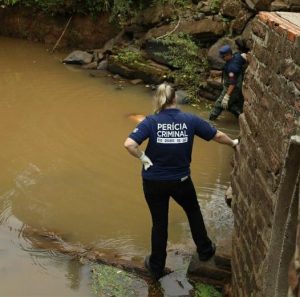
(208, 272)
(216, 271)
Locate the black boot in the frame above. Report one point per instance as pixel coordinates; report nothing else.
(207, 254)
(156, 275)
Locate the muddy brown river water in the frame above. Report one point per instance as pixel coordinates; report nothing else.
(64, 169)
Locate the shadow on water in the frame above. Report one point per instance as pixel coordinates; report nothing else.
(64, 170)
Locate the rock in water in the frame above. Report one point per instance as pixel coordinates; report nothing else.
(176, 284)
(79, 58)
(182, 97)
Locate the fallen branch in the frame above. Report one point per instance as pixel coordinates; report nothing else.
(171, 32)
(43, 239)
(62, 34)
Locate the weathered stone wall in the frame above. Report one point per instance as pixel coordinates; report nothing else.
(294, 269)
(272, 107)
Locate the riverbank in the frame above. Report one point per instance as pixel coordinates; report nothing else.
(178, 43)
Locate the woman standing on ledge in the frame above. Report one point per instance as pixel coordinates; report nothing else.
(166, 172)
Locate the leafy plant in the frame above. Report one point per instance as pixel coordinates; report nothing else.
(215, 6)
(182, 53)
(130, 57)
(202, 290)
(110, 281)
(9, 2)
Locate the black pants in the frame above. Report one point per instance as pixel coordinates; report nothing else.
(157, 194)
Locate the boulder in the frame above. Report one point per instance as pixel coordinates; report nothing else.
(134, 32)
(231, 8)
(239, 23)
(111, 44)
(154, 15)
(247, 34)
(215, 80)
(182, 97)
(204, 7)
(206, 30)
(259, 5)
(159, 52)
(279, 5)
(213, 86)
(92, 65)
(78, 57)
(150, 72)
(213, 54)
(102, 65)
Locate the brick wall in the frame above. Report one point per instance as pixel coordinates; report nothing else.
(272, 107)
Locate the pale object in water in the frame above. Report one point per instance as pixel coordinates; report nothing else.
(137, 118)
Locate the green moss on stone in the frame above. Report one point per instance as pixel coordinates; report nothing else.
(203, 290)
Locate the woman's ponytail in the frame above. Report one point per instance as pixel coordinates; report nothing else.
(164, 96)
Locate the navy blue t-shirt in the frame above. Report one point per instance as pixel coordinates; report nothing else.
(234, 67)
(171, 135)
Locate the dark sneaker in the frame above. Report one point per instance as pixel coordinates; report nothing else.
(207, 254)
(156, 274)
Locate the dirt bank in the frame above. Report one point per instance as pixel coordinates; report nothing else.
(83, 32)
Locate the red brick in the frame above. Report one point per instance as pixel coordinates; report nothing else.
(274, 21)
(263, 16)
(262, 198)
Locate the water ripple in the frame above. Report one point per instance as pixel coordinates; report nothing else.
(28, 177)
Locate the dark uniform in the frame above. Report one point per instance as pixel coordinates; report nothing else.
(171, 135)
(233, 74)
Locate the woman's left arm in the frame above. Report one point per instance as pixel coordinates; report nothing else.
(133, 148)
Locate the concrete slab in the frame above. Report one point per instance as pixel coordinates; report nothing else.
(292, 17)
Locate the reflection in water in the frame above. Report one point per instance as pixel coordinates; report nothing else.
(64, 169)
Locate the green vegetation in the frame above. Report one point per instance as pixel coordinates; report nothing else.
(174, 2)
(130, 57)
(215, 6)
(110, 281)
(202, 290)
(182, 54)
(118, 9)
